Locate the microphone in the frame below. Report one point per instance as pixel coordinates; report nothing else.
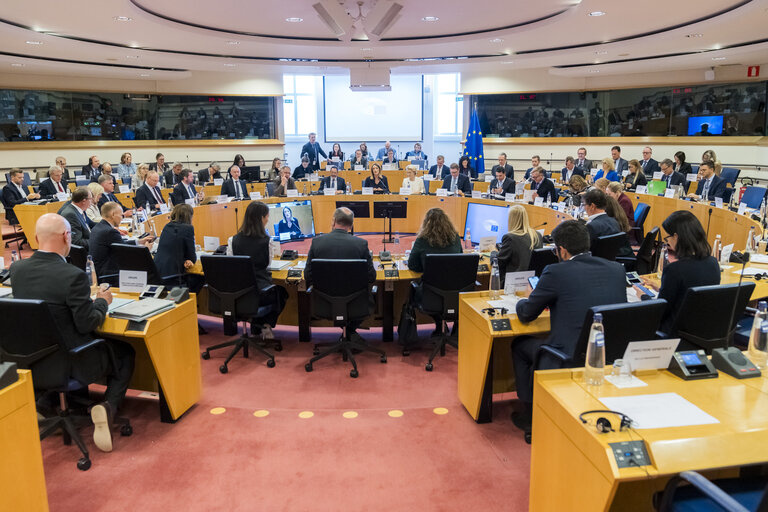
(540, 225)
(709, 219)
(744, 260)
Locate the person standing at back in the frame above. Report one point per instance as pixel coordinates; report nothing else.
(312, 151)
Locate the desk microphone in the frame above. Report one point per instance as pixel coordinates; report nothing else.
(540, 225)
(709, 219)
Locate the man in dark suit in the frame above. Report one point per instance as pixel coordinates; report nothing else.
(599, 223)
(543, 187)
(440, 171)
(501, 185)
(337, 245)
(103, 235)
(149, 193)
(172, 177)
(47, 276)
(569, 288)
(508, 169)
(333, 181)
(582, 162)
(303, 170)
(74, 212)
(619, 164)
(457, 182)
(670, 176)
(711, 185)
(357, 159)
(312, 151)
(15, 192)
(92, 169)
(648, 164)
(106, 170)
(55, 184)
(213, 172)
(234, 186)
(186, 189)
(535, 162)
(109, 196)
(570, 170)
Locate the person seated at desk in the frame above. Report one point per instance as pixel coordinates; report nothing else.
(582, 162)
(605, 217)
(501, 185)
(149, 193)
(648, 164)
(283, 182)
(55, 184)
(303, 170)
(570, 170)
(333, 181)
(569, 288)
(390, 159)
(681, 165)
(126, 168)
(234, 186)
(416, 154)
(340, 244)
(412, 181)
(616, 191)
(252, 240)
(173, 176)
(213, 172)
(457, 183)
(535, 162)
(186, 189)
(670, 177)
(364, 150)
(383, 152)
(92, 169)
(108, 194)
(176, 247)
(336, 153)
(508, 169)
(518, 243)
(578, 186)
(274, 170)
(376, 180)
(289, 224)
(544, 188)
(358, 160)
(602, 184)
(437, 235)
(15, 193)
(139, 178)
(439, 171)
(62, 162)
(74, 212)
(636, 176)
(692, 264)
(103, 235)
(159, 165)
(465, 168)
(92, 212)
(619, 164)
(711, 185)
(608, 171)
(47, 276)
(106, 170)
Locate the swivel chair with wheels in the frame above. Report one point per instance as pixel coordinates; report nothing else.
(138, 257)
(437, 294)
(30, 338)
(17, 236)
(233, 293)
(346, 302)
(740, 494)
(540, 258)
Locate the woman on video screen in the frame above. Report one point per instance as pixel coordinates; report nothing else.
(289, 224)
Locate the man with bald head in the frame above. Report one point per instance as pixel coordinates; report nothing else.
(47, 276)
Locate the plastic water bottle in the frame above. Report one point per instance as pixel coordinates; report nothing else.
(751, 241)
(90, 271)
(305, 190)
(594, 366)
(494, 287)
(468, 240)
(349, 188)
(14, 256)
(396, 248)
(717, 247)
(758, 338)
(662, 261)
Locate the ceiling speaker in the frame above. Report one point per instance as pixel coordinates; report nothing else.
(333, 15)
(382, 17)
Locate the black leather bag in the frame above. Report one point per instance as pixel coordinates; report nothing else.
(407, 333)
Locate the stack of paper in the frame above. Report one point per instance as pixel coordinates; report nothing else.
(140, 310)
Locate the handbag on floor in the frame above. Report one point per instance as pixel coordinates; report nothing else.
(406, 329)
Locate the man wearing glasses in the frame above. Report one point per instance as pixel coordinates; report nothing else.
(648, 164)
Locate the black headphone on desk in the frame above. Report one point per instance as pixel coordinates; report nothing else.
(603, 425)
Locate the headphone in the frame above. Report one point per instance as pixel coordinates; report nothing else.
(603, 425)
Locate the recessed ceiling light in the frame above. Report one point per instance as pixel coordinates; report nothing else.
(233, 42)
(294, 20)
(597, 13)
(122, 18)
(719, 58)
(430, 19)
(35, 42)
(601, 52)
(497, 40)
(694, 35)
(17, 64)
(131, 56)
(144, 74)
(228, 65)
(594, 70)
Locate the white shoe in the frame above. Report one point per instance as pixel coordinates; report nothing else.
(102, 423)
(266, 332)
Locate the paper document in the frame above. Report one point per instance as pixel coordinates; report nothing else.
(632, 382)
(139, 310)
(661, 410)
(751, 271)
(506, 301)
(758, 258)
(117, 302)
(278, 264)
(6, 291)
(300, 264)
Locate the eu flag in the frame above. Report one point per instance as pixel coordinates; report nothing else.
(473, 148)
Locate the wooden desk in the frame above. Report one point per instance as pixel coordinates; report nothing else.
(22, 481)
(572, 466)
(167, 355)
(485, 362)
(28, 213)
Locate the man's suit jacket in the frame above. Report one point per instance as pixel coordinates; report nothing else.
(204, 176)
(81, 232)
(181, 193)
(508, 186)
(586, 166)
(621, 165)
(443, 171)
(313, 152)
(716, 189)
(569, 289)
(103, 235)
(339, 245)
(90, 173)
(228, 188)
(545, 188)
(109, 198)
(675, 178)
(508, 170)
(602, 225)
(144, 195)
(528, 173)
(48, 189)
(462, 183)
(12, 197)
(176, 245)
(114, 180)
(566, 175)
(340, 183)
(47, 276)
(153, 167)
(651, 167)
(170, 179)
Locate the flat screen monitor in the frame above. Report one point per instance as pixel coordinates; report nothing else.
(390, 209)
(291, 220)
(34, 130)
(361, 209)
(250, 173)
(705, 125)
(486, 220)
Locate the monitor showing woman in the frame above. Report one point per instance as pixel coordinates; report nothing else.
(289, 224)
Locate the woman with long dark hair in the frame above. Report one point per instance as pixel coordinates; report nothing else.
(466, 169)
(681, 165)
(176, 247)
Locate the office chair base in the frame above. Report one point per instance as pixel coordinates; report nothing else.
(243, 342)
(445, 339)
(345, 346)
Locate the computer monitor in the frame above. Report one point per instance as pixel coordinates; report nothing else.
(361, 209)
(705, 125)
(291, 220)
(250, 173)
(486, 220)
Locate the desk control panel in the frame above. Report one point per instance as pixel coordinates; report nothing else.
(483, 267)
(630, 453)
(392, 272)
(501, 324)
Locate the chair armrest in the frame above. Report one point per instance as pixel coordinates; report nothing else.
(705, 487)
(86, 346)
(661, 335)
(552, 351)
(309, 290)
(268, 288)
(173, 276)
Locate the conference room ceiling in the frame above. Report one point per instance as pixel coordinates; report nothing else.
(166, 40)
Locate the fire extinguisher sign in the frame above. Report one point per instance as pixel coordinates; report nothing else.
(753, 71)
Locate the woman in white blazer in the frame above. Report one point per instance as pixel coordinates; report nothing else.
(413, 182)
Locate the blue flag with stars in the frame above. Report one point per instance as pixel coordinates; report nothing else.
(473, 148)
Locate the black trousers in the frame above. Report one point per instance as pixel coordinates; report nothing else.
(524, 350)
(118, 376)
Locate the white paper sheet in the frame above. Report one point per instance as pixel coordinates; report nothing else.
(632, 382)
(751, 271)
(758, 258)
(506, 301)
(662, 410)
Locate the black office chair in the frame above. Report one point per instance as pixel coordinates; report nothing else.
(30, 338)
(138, 257)
(647, 255)
(608, 246)
(270, 189)
(540, 258)
(742, 494)
(437, 293)
(78, 256)
(641, 213)
(704, 319)
(234, 294)
(342, 301)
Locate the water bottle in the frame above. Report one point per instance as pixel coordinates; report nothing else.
(751, 241)
(717, 247)
(594, 365)
(396, 248)
(758, 338)
(147, 209)
(349, 188)
(494, 287)
(14, 256)
(305, 190)
(662, 261)
(90, 271)
(454, 188)
(468, 240)
(153, 228)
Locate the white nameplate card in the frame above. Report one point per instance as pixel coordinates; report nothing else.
(670, 192)
(692, 177)
(61, 196)
(124, 189)
(509, 197)
(389, 167)
(517, 281)
(650, 355)
(719, 202)
(132, 281)
(742, 208)
(218, 182)
(210, 243)
(328, 191)
(487, 243)
(528, 195)
(255, 195)
(624, 174)
(292, 192)
(656, 175)
(405, 191)
(476, 194)
(641, 189)
(367, 191)
(441, 192)
(190, 202)
(539, 201)
(359, 168)
(164, 208)
(488, 178)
